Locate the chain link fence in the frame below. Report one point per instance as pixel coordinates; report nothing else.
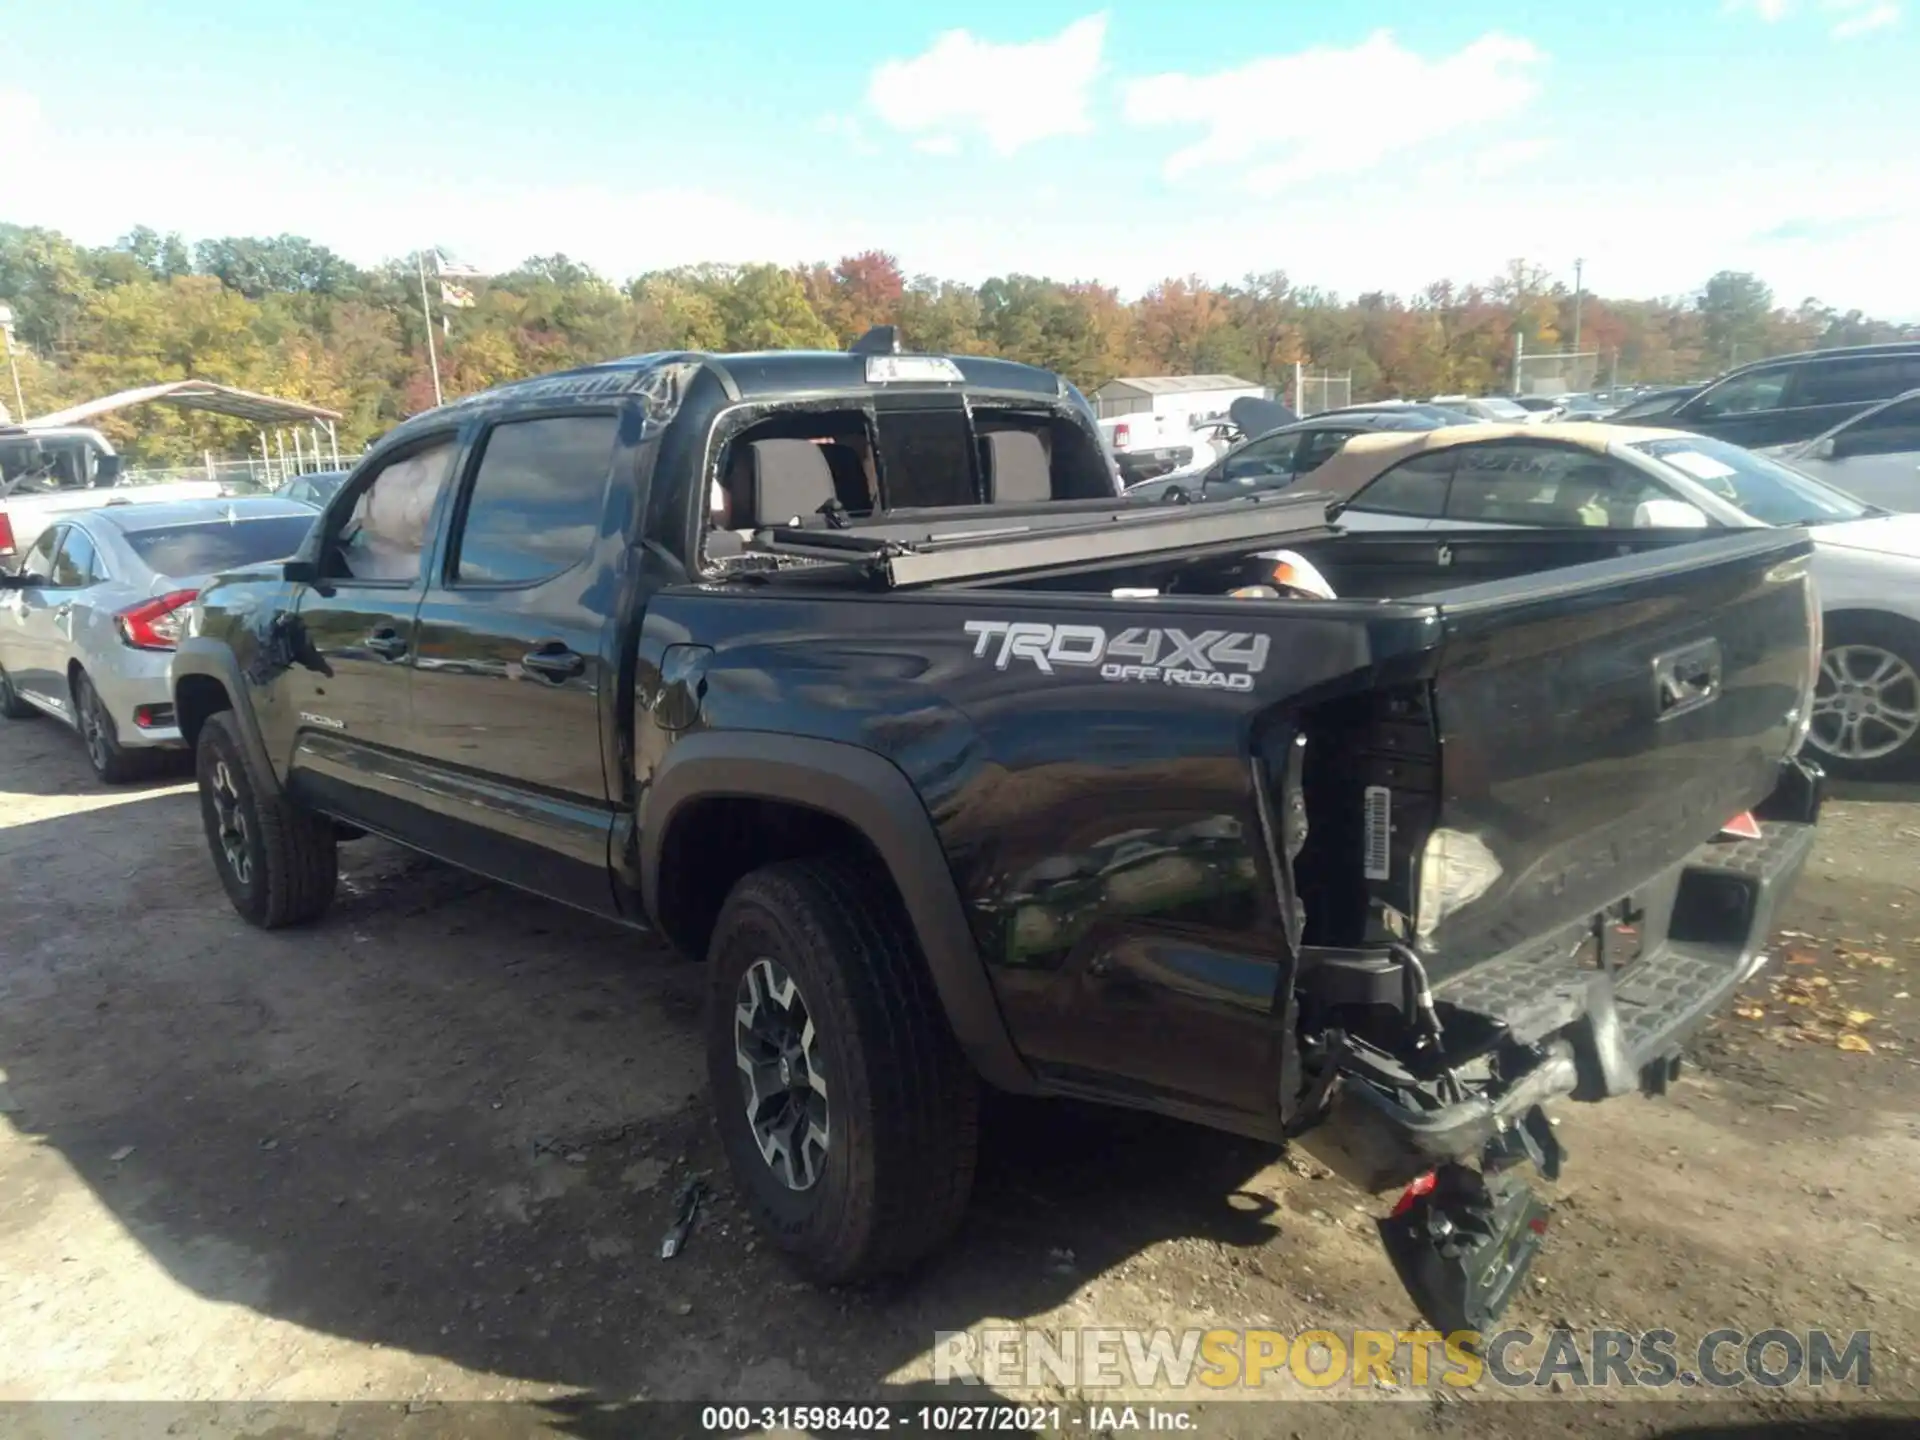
(1563, 372)
(1314, 391)
(254, 476)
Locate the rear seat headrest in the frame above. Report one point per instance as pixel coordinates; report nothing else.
(1017, 468)
(791, 479)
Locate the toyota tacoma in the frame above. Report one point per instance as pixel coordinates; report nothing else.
(851, 676)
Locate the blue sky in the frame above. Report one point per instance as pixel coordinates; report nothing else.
(1356, 147)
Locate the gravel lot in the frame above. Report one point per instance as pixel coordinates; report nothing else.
(425, 1152)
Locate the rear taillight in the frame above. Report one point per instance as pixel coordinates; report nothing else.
(156, 624)
(1122, 437)
(6, 534)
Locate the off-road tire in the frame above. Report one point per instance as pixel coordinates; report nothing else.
(112, 762)
(291, 863)
(904, 1102)
(11, 705)
(1900, 640)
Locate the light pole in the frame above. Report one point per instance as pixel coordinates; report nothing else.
(1577, 266)
(426, 314)
(13, 364)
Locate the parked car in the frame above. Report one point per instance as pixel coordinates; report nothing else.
(1874, 456)
(1146, 446)
(1546, 406)
(315, 488)
(1496, 408)
(90, 620)
(1280, 457)
(1655, 403)
(1866, 711)
(50, 471)
(658, 639)
(1789, 398)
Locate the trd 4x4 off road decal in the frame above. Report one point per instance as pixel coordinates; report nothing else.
(1212, 659)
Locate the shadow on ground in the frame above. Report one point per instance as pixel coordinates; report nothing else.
(451, 1120)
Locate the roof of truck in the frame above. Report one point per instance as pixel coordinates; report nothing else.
(1365, 456)
(764, 375)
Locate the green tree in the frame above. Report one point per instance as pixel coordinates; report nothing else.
(1734, 307)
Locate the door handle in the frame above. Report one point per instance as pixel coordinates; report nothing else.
(387, 644)
(61, 611)
(555, 661)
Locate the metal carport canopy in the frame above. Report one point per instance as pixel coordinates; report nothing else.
(262, 410)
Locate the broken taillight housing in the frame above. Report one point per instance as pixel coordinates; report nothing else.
(6, 534)
(156, 624)
(1816, 639)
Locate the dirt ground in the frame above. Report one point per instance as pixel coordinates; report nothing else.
(424, 1154)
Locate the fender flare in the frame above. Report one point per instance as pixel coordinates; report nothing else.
(199, 655)
(871, 794)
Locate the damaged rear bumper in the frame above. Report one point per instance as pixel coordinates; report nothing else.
(1570, 1015)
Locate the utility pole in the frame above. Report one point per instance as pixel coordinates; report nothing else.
(1577, 266)
(426, 314)
(13, 363)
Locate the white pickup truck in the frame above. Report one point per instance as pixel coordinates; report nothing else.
(47, 472)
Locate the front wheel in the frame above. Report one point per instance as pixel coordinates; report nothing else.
(277, 862)
(1866, 705)
(849, 1115)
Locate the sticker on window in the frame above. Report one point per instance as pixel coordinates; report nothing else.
(1700, 467)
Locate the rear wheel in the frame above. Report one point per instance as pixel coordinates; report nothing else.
(11, 705)
(277, 862)
(849, 1115)
(1866, 705)
(111, 761)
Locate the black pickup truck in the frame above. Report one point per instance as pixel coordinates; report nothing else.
(850, 674)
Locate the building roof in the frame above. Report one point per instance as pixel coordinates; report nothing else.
(194, 395)
(1174, 384)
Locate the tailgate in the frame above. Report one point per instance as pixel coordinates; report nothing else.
(1598, 723)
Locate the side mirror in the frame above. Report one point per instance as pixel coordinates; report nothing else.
(300, 572)
(1669, 515)
(1827, 448)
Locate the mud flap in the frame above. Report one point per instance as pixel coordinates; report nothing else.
(1462, 1242)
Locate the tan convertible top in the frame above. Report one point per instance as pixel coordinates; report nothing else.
(1365, 456)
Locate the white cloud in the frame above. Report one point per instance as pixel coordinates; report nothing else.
(849, 129)
(1287, 118)
(1011, 95)
(1849, 18)
(1863, 18)
(938, 145)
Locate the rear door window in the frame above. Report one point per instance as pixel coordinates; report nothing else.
(1415, 487)
(1518, 482)
(1261, 459)
(1856, 381)
(73, 566)
(534, 508)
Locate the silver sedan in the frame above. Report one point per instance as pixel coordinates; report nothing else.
(89, 623)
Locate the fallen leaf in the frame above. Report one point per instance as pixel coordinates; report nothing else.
(1795, 957)
(1750, 1012)
(1855, 1044)
(1859, 1017)
(1799, 999)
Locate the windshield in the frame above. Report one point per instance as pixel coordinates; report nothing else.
(178, 550)
(1764, 489)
